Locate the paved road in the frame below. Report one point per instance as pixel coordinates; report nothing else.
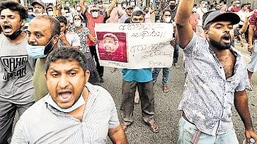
(167, 115)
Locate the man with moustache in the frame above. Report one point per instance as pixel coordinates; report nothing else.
(74, 111)
(43, 35)
(16, 68)
(215, 80)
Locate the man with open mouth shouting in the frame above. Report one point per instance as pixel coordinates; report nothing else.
(74, 111)
(215, 80)
(16, 68)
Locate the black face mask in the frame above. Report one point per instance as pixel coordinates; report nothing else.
(49, 47)
(14, 35)
(172, 6)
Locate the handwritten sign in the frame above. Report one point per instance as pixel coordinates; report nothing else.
(135, 45)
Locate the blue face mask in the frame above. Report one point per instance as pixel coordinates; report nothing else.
(36, 51)
(39, 51)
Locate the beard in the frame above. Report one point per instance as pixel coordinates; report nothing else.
(219, 45)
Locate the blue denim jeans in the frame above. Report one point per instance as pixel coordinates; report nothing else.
(188, 133)
(165, 75)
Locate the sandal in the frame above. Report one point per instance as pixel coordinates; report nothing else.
(153, 127)
(124, 126)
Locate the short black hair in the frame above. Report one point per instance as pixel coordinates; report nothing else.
(62, 19)
(138, 13)
(66, 53)
(54, 23)
(14, 6)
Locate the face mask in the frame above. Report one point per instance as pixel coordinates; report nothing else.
(77, 23)
(30, 13)
(39, 51)
(76, 105)
(167, 19)
(36, 51)
(14, 35)
(78, 9)
(94, 14)
(50, 13)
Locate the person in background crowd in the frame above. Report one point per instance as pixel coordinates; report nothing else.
(38, 7)
(152, 12)
(16, 68)
(128, 12)
(215, 80)
(249, 6)
(50, 11)
(94, 16)
(141, 78)
(252, 45)
(166, 18)
(43, 35)
(203, 8)
(84, 34)
(67, 14)
(74, 111)
(236, 6)
(67, 38)
(102, 9)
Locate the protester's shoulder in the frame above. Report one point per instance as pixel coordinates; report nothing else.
(99, 91)
(35, 109)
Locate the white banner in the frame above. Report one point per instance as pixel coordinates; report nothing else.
(135, 45)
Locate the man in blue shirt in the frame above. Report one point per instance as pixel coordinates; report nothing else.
(141, 78)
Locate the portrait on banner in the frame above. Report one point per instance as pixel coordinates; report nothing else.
(112, 46)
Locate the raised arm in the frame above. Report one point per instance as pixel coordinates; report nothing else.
(184, 29)
(82, 6)
(111, 7)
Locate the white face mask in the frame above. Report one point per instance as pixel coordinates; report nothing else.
(167, 19)
(30, 13)
(78, 9)
(77, 23)
(51, 13)
(76, 105)
(95, 14)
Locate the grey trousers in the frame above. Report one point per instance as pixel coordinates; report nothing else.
(7, 114)
(146, 97)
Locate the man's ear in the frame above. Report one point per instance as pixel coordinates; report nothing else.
(23, 22)
(45, 76)
(87, 74)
